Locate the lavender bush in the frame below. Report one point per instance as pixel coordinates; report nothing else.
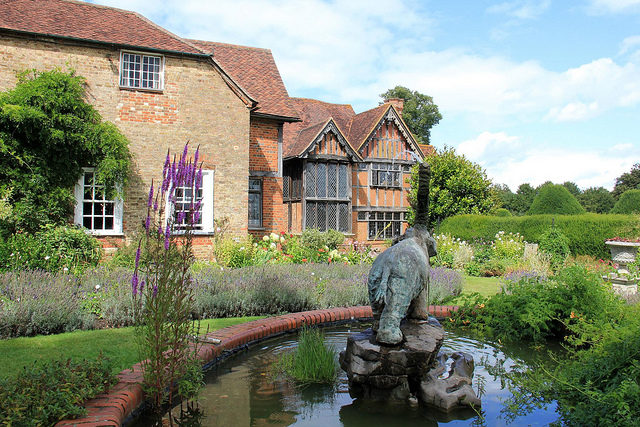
(443, 283)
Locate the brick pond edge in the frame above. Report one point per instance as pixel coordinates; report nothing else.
(121, 402)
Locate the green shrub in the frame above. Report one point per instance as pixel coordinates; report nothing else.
(629, 203)
(52, 249)
(555, 199)
(46, 393)
(539, 309)
(502, 212)
(586, 233)
(315, 239)
(312, 362)
(556, 244)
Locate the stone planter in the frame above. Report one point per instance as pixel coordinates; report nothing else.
(623, 253)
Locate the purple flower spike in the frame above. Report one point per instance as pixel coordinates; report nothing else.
(141, 287)
(196, 156)
(155, 290)
(150, 194)
(134, 284)
(155, 205)
(147, 223)
(138, 257)
(167, 163)
(180, 217)
(199, 179)
(167, 234)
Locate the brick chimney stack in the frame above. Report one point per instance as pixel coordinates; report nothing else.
(398, 103)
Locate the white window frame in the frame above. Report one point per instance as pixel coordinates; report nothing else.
(78, 214)
(207, 205)
(122, 81)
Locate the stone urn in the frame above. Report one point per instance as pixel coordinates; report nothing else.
(623, 253)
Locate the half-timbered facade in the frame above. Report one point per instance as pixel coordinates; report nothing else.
(348, 171)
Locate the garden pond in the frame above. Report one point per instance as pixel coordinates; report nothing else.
(242, 391)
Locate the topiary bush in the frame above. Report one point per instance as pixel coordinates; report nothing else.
(555, 199)
(502, 212)
(629, 203)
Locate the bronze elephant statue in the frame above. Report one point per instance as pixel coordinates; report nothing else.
(398, 282)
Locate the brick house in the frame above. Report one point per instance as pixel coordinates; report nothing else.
(272, 163)
(161, 91)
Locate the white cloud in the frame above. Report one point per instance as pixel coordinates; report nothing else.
(521, 9)
(508, 160)
(613, 6)
(574, 111)
(628, 44)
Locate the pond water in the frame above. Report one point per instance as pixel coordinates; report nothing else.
(241, 392)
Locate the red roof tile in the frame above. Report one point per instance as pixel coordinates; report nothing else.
(90, 22)
(255, 70)
(364, 123)
(315, 116)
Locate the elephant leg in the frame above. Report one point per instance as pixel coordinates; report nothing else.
(420, 306)
(394, 311)
(377, 311)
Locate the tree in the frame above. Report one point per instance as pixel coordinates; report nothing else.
(48, 133)
(555, 199)
(505, 196)
(572, 187)
(628, 203)
(419, 112)
(458, 186)
(597, 200)
(627, 181)
(523, 198)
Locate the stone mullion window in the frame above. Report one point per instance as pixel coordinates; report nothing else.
(386, 175)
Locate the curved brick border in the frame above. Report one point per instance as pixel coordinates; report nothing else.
(113, 408)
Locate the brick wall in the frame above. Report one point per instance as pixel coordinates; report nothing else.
(264, 164)
(196, 105)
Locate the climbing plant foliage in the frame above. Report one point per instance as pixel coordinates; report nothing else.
(48, 133)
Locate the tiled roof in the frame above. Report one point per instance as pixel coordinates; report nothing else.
(255, 70)
(90, 22)
(364, 123)
(314, 115)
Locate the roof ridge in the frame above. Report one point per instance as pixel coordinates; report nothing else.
(319, 101)
(238, 46)
(164, 30)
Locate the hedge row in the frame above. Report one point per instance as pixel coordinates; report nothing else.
(586, 233)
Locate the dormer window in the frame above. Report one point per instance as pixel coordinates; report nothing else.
(141, 71)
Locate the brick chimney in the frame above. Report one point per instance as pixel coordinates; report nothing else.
(398, 103)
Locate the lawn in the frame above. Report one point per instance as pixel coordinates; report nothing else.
(117, 344)
(485, 286)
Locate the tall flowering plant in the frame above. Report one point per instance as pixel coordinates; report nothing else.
(161, 285)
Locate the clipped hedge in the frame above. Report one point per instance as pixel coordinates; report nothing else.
(586, 233)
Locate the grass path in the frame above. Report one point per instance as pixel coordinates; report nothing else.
(117, 344)
(485, 286)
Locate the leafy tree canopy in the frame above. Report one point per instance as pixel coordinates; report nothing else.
(572, 187)
(555, 199)
(627, 181)
(458, 186)
(419, 112)
(48, 133)
(597, 200)
(628, 203)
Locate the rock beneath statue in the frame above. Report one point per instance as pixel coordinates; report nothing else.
(455, 391)
(382, 372)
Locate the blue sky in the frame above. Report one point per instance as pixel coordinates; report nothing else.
(531, 90)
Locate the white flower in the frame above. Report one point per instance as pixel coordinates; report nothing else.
(242, 248)
(255, 245)
(218, 230)
(282, 239)
(97, 287)
(46, 258)
(274, 237)
(12, 254)
(265, 238)
(65, 269)
(313, 274)
(272, 245)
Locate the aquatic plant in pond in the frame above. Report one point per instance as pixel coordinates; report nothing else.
(162, 295)
(312, 361)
